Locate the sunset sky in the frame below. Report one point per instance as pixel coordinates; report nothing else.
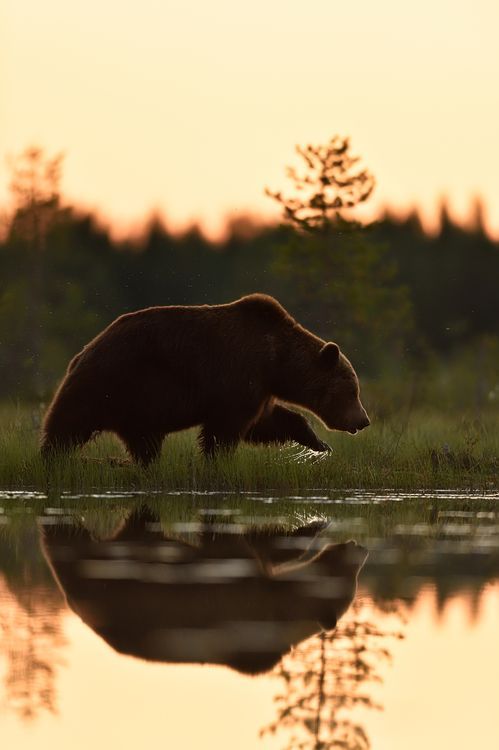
(191, 108)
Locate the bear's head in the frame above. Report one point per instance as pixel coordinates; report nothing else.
(336, 392)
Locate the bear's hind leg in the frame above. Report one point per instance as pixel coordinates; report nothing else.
(224, 430)
(55, 443)
(68, 424)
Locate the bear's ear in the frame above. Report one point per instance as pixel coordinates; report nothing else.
(330, 354)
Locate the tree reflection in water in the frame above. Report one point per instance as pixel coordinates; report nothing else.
(31, 635)
(329, 676)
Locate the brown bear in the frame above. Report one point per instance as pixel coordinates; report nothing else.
(223, 367)
(238, 599)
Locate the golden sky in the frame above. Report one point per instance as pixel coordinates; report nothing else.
(191, 108)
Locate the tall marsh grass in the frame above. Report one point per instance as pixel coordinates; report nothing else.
(425, 450)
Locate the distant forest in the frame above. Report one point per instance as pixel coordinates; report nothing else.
(395, 298)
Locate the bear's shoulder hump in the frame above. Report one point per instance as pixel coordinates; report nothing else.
(264, 306)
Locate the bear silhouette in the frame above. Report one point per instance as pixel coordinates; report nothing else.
(229, 369)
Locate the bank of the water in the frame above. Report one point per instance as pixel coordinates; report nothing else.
(426, 451)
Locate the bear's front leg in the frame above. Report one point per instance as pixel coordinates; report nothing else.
(224, 436)
(211, 442)
(282, 425)
(144, 448)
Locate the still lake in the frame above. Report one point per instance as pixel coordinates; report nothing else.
(324, 620)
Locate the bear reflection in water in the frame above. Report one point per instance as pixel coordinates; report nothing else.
(238, 597)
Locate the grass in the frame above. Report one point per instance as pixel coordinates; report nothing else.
(426, 451)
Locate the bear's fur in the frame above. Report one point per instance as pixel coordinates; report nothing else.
(222, 367)
(239, 599)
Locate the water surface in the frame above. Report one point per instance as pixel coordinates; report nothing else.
(349, 619)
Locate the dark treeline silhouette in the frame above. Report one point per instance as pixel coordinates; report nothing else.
(89, 279)
(452, 277)
(390, 294)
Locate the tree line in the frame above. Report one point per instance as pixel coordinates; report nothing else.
(391, 294)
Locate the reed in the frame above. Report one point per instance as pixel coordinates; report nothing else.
(426, 451)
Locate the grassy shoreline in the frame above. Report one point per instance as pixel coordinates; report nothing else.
(427, 451)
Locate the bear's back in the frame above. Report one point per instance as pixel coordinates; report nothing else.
(204, 333)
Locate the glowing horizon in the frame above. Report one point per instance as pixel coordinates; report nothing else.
(189, 111)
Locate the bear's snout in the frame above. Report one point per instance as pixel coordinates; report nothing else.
(359, 422)
(364, 422)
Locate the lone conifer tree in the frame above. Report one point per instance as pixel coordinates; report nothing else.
(35, 188)
(332, 181)
(339, 281)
